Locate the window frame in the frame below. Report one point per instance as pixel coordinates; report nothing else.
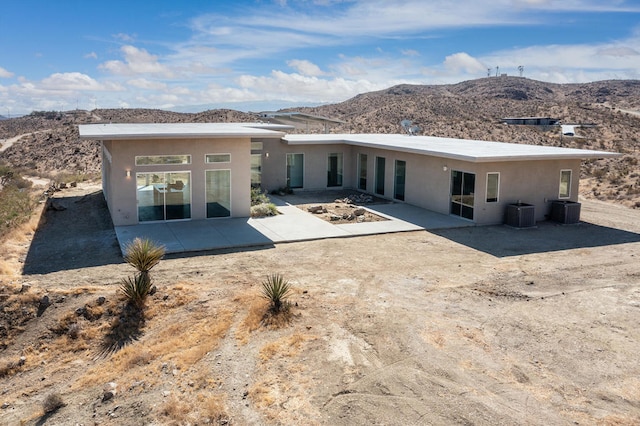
(497, 197)
(562, 196)
(187, 158)
(227, 154)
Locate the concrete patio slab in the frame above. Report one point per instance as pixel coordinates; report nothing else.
(292, 224)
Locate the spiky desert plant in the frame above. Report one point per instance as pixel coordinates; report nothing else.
(276, 290)
(143, 254)
(136, 289)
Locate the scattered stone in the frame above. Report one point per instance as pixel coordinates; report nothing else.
(81, 311)
(62, 185)
(22, 361)
(57, 206)
(73, 184)
(109, 391)
(153, 290)
(335, 217)
(25, 288)
(166, 393)
(315, 209)
(359, 212)
(6, 405)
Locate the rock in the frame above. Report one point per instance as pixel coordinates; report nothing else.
(109, 391)
(44, 301)
(6, 405)
(153, 290)
(315, 209)
(335, 217)
(25, 287)
(80, 311)
(22, 361)
(73, 184)
(100, 300)
(359, 212)
(57, 206)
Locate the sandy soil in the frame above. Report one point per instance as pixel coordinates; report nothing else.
(483, 326)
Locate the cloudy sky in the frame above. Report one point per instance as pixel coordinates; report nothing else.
(258, 54)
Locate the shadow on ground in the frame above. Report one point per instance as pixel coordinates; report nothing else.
(80, 236)
(504, 241)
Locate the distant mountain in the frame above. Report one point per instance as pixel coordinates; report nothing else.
(470, 110)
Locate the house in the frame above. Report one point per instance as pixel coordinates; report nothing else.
(164, 172)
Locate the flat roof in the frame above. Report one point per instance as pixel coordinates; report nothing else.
(475, 151)
(180, 130)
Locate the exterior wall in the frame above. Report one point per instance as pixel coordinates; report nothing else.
(427, 183)
(274, 167)
(121, 190)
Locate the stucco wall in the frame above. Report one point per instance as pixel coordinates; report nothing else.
(427, 182)
(122, 191)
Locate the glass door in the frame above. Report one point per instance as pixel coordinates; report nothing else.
(462, 193)
(334, 170)
(380, 164)
(218, 187)
(295, 170)
(362, 172)
(399, 180)
(163, 196)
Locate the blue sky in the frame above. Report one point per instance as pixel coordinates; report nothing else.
(256, 54)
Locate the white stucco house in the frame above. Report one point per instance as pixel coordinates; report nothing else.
(168, 172)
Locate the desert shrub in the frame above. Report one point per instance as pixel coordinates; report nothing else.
(16, 201)
(258, 197)
(276, 290)
(263, 210)
(52, 402)
(143, 254)
(136, 289)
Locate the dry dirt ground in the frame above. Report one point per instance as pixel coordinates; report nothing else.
(474, 326)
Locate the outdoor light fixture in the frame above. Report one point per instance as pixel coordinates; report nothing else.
(444, 168)
(266, 154)
(128, 173)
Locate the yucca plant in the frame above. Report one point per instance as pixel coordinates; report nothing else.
(276, 290)
(143, 254)
(136, 289)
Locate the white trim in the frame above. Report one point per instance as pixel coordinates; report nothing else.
(486, 189)
(217, 162)
(560, 196)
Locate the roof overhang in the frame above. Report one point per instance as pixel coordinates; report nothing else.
(474, 151)
(128, 131)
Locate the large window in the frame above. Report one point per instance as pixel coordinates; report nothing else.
(155, 160)
(493, 187)
(163, 196)
(295, 170)
(462, 193)
(218, 193)
(334, 169)
(399, 180)
(362, 172)
(380, 165)
(565, 184)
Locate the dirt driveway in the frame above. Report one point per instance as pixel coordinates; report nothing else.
(483, 326)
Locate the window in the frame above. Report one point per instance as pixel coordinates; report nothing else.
(362, 172)
(163, 196)
(493, 187)
(217, 158)
(334, 169)
(154, 160)
(565, 184)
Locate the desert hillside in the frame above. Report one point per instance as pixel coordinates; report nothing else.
(470, 110)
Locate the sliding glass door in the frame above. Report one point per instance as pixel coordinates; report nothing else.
(462, 193)
(163, 196)
(218, 193)
(295, 170)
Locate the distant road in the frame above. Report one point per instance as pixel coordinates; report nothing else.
(6, 143)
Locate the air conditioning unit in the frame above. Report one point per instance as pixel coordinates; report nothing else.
(520, 215)
(565, 211)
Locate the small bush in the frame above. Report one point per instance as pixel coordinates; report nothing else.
(264, 210)
(136, 289)
(276, 290)
(258, 197)
(52, 403)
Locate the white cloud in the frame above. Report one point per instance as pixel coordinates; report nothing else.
(462, 61)
(305, 67)
(91, 55)
(137, 61)
(75, 81)
(5, 74)
(143, 83)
